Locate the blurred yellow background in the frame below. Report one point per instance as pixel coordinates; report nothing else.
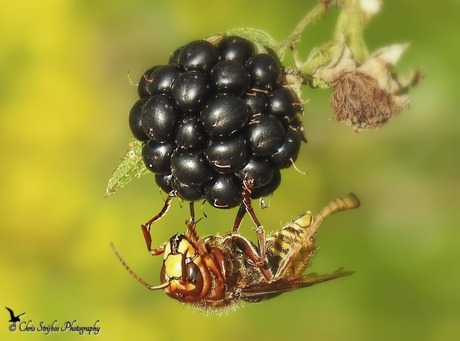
(64, 104)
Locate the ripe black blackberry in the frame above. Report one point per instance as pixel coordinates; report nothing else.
(217, 117)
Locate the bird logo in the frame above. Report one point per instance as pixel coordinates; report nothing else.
(13, 319)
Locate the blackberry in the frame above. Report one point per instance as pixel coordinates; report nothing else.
(157, 156)
(258, 169)
(215, 117)
(162, 79)
(235, 48)
(230, 76)
(283, 104)
(143, 85)
(224, 191)
(190, 90)
(265, 71)
(224, 114)
(287, 153)
(190, 167)
(188, 192)
(265, 134)
(159, 118)
(174, 58)
(190, 133)
(269, 187)
(135, 123)
(257, 102)
(198, 55)
(164, 182)
(227, 155)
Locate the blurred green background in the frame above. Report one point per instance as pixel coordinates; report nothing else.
(64, 103)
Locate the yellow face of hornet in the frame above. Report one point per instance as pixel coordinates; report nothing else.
(184, 270)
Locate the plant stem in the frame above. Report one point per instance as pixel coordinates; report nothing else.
(294, 37)
(350, 29)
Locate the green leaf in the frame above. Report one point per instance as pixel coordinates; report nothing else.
(131, 166)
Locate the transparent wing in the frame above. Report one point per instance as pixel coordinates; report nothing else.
(266, 290)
